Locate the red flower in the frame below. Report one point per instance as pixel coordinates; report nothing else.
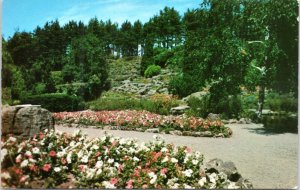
(188, 149)
(113, 181)
(145, 186)
(82, 168)
(23, 179)
(18, 171)
(52, 153)
(129, 184)
(47, 167)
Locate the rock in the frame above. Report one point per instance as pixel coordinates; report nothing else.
(213, 117)
(244, 121)
(153, 130)
(25, 121)
(220, 135)
(199, 134)
(176, 132)
(140, 129)
(187, 133)
(218, 166)
(179, 110)
(225, 121)
(232, 121)
(198, 95)
(207, 134)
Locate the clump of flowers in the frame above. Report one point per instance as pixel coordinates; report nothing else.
(132, 119)
(106, 162)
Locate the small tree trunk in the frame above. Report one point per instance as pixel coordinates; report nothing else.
(261, 100)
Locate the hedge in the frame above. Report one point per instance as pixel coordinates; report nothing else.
(55, 102)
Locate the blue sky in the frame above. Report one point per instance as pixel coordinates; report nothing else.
(27, 14)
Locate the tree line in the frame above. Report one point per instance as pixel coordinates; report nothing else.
(220, 44)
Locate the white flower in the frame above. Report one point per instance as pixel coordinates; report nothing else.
(174, 160)
(28, 153)
(164, 149)
(116, 164)
(153, 180)
(50, 145)
(213, 177)
(103, 138)
(99, 164)
(165, 159)
(99, 171)
(85, 159)
(80, 154)
(72, 143)
(188, 173)
(136, 159)
(61, 154)
(24, 163)
(36, 150)
(12, 139)
(108, 185)
(122, 141)
(5, 175)
(233, 186)
(57, 169)
(77, 132)
(69, 158)
(175, 186)
(95, 147)
(195, 162)
(3, 154)
(202, 181)
(111, 160)
(32, 160)
(186, 186)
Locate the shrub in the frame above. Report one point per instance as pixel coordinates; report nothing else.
(152, 70)
(158, 103)
(55, 102)
(40, 88)
(57, 77)
(228, 107)
(161, 56)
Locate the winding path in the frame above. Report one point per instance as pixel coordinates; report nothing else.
(267, 160)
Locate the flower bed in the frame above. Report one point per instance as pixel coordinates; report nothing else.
(49, 159)
(143, 120)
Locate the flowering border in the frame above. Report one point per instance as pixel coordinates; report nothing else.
(147, 121)
(50, 158)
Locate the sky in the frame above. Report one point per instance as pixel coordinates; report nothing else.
(26, 15)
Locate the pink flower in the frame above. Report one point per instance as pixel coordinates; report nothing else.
(52, 153)
(82, 168)
(18, 159)
(188, 149)
(129, 184)
(47, 167)
(23, 179)
(113, 181)
(145, 186)
(42, 135)
(164, 171)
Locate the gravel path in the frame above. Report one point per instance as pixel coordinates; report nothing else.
(267, 160)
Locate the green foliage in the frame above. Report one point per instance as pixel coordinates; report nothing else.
(282, 102)
(6, 96)
(40, 88)
(55, 102)
(57, 77)
(152, 70)
(228, 107)
(161, 56)
(159, 104)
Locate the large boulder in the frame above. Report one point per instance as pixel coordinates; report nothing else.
(218, 166)
(24, 121)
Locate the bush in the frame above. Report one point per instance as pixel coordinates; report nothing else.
(158, 103)
(40, 88)
(161, 56)
(229, 107)
(55, 102)
(152, 70)
(57, 77)
(282, 103)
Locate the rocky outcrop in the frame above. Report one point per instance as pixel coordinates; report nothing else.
(24, 121)
(213, 117)
(228, 168)
(179, 110)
